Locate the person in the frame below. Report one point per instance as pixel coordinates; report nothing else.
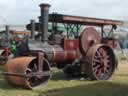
(13, 47)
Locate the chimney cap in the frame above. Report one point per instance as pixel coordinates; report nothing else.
(44, 5)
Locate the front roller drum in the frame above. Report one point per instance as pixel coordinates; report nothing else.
(100, 62)
(27, 72)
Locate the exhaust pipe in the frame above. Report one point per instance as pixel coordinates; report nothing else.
(33, 29)
(7, 29)
(44, 18)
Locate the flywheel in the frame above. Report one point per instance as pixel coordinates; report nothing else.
(88, 38)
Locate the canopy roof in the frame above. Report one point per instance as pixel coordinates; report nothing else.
(60, 18)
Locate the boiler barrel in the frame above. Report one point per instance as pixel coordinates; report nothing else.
(59, 55)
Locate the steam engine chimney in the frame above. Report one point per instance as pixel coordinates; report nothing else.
(32, 29)
(44, 21)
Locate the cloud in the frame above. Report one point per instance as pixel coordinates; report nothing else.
(21, 11)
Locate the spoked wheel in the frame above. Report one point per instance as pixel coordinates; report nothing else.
(4, 57)
(28, 72)
(101, 62)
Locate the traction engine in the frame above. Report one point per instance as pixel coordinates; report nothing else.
(82, 55)
(9, 40)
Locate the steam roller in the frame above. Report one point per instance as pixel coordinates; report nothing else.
(83, 55)
(90, 58)
(28, 72)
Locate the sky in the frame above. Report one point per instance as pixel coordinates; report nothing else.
(21, 11)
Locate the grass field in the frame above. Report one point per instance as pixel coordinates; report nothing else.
(60, 86)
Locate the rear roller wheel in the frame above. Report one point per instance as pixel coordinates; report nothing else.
(26, 72)
(101, 62)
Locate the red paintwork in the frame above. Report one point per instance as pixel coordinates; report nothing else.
(71, 44)
(67, 54)
(18, 39)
